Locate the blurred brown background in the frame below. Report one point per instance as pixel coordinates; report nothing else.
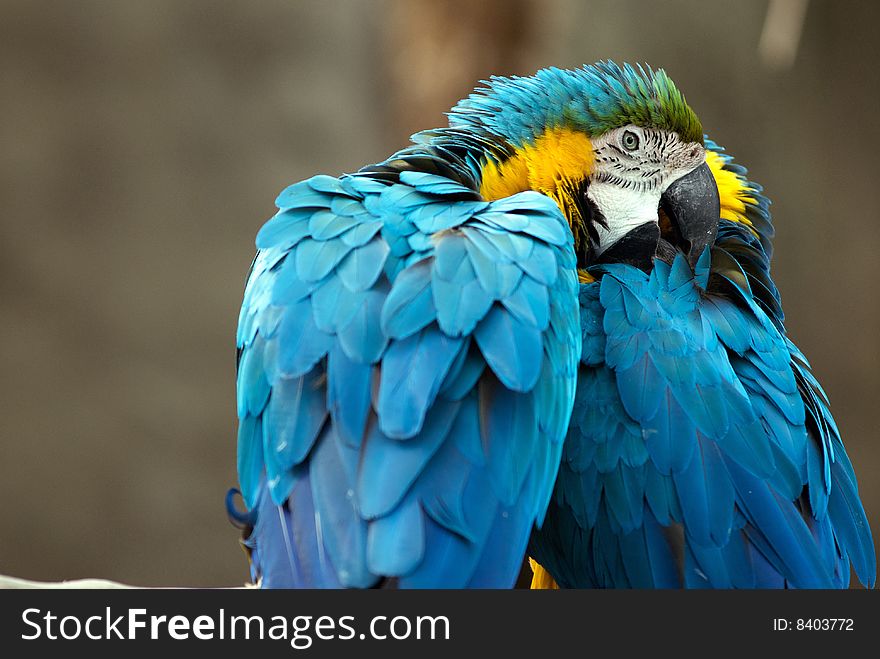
(142, 145)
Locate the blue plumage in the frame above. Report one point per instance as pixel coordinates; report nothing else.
(727, 438)
(377, 439)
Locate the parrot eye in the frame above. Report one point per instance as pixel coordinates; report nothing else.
(630, 141)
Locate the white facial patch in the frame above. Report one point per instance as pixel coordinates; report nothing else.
(624, 210)
(633, 167)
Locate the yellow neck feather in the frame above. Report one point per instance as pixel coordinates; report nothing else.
(732, 190)
(558, 160)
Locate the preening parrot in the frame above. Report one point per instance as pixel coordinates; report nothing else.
(548, 328)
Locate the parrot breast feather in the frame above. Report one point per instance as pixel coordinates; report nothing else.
(701, 451)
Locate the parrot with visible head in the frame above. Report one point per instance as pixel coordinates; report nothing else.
(550, 328)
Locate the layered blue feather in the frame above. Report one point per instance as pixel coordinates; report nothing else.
(701, 452)
(407, 370)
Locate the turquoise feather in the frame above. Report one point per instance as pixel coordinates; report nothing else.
(376, 435)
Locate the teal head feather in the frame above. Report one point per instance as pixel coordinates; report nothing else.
(594, 99)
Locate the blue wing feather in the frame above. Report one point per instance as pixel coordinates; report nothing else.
(377, 439)
(412, 372)
(250, 458)
(348, 395)
(362, 267)
(512, 349)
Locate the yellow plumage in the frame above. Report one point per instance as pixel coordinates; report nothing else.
(732, 190)
(559, 158)
(541, 579)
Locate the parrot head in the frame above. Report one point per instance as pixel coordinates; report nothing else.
(617, 147)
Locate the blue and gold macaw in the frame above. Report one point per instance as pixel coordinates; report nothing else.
(549, 325)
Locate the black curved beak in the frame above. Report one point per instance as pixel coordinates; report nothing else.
(692, 205)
